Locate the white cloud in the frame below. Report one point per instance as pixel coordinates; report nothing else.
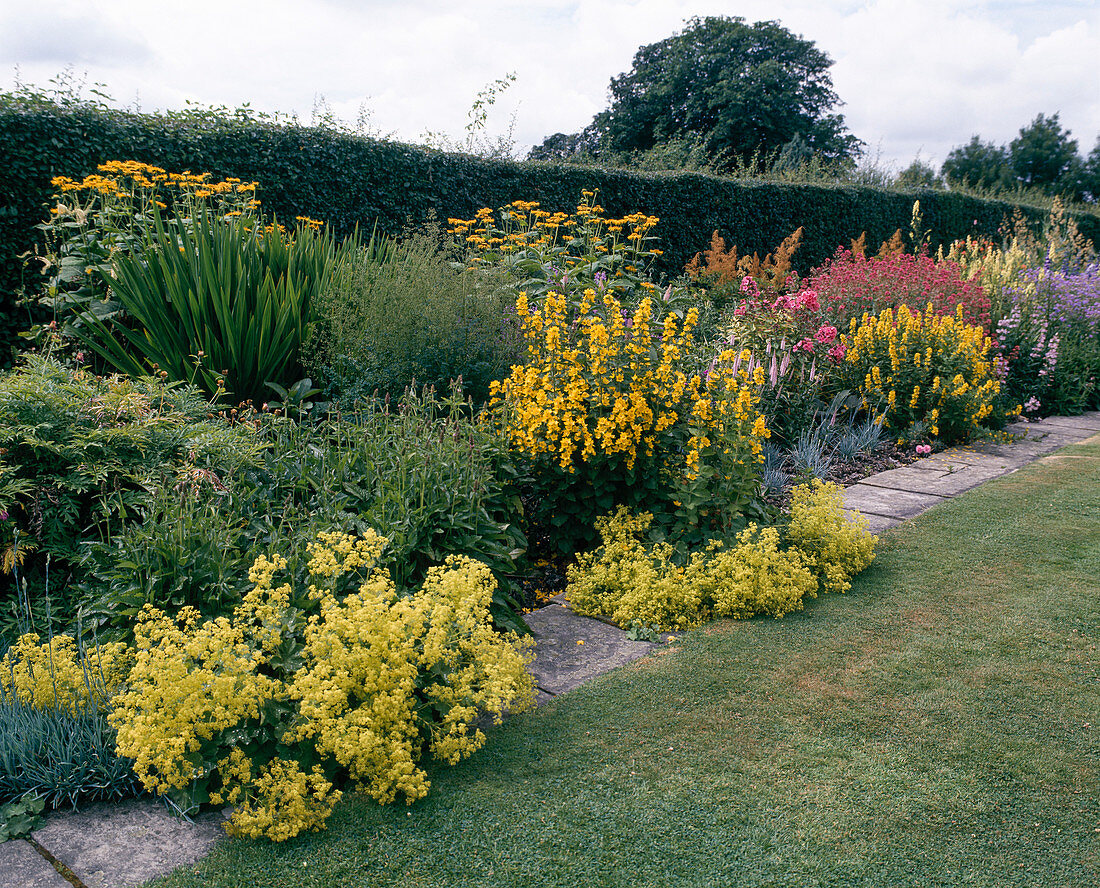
(913, 75)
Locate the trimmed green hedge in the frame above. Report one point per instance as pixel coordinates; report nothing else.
(352, 181)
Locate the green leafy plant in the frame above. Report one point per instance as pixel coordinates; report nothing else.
(216, 302)
(21, 817)
(402, 312)
(420, 472)
(643, 632)
(81, 457)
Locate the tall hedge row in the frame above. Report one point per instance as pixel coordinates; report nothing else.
(348, 181)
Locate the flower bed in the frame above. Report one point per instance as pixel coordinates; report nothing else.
(317, 594)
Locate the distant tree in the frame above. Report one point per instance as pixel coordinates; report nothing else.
(562, 146)
(919, 175)
(1043, 155)
(743, 90)
(1091, 174)
(795, 154)
(979, 164)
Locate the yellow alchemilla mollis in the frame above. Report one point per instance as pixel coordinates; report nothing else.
(835, 545)
(631, 581)
(370, 663)
(283, 801)
(59, 674)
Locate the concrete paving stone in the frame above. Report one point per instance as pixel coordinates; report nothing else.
(1055, 433)
(939, 481)
(1066, 429)
(956, 457)
(120, 844)
(887, 503)
(21, 866)
(562, 663)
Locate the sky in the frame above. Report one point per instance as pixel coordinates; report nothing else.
(917, 77)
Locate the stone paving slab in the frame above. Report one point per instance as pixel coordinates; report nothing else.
(21, 866)
(957, 457)
(1020, 453)
(938, 480)
(1055, 433)
(145, 841)
(886, 502)
(562, 663)
(1086, 422)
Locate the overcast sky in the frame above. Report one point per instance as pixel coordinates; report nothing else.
(914, 75)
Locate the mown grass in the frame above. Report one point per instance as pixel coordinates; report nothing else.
(938, 725)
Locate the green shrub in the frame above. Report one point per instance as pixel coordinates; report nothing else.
(79, 457)
(405, 312)
(191, 548)
(426, 477)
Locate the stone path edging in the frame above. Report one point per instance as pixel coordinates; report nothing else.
(120, 845)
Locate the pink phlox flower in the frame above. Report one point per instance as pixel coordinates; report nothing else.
(748, 285)
(825, 334)
(807, 345)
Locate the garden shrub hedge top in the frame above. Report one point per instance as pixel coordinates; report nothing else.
(351, 181)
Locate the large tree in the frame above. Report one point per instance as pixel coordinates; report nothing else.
(740, 89)
(1043, 154)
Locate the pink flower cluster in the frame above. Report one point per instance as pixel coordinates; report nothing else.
(924, 449)
(850, 284)
(825, 335)
(803, 302)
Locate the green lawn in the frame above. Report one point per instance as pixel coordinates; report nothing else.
(937, 725)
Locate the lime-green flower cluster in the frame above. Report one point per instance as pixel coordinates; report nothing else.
(919, 368)
(834, 545)
(61, 675)
(270, 709)
(631, 581)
